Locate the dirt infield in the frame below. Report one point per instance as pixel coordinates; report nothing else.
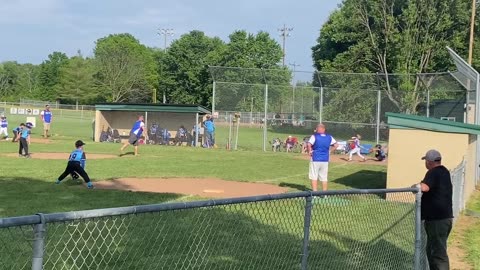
(33, 140)
(63, 156)
(356, 160)
(205, 187)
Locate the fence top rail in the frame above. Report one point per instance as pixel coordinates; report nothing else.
(88, 214)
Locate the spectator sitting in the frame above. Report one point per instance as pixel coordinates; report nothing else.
(290, 142)
(181, 135)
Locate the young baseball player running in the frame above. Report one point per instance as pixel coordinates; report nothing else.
(356, 149)
(76, 165)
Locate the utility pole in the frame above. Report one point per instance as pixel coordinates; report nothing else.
(472, 32)
(294, 65)
(165, 32)
(284, 33)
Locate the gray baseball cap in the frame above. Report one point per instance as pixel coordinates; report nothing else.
(432, 155)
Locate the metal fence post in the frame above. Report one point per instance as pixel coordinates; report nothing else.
(265, 124)
(418, 229)
(306, 231)
(39, 243)
(379, 108)
(320, 106)
(213, 96)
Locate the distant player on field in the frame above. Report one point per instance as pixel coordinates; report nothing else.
(355, 148)
(76, 165)
(4, 127)
(135, 134)
(47, 120)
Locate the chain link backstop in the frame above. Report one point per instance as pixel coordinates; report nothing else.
(350, 229)
(272, 106)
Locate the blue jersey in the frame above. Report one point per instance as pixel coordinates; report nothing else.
(24, 133)
(17, 129)
(209, 126)
(137, 128)
(78, 155)
(47, 116)
(321, 144)
(4, 123)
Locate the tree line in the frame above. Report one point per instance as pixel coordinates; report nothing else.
(124, 70)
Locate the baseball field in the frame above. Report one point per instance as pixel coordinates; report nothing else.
(249, 236)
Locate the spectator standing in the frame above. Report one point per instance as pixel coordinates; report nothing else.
(47, 120)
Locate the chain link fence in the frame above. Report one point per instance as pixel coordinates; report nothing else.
(351, 229)
(348, 103)
(34, 107)
(458, 185)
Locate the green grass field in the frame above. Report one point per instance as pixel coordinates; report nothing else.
(346, 233)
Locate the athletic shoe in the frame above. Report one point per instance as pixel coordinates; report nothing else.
(89, 185)
(20, 155)
(57, 182)
(27, 156)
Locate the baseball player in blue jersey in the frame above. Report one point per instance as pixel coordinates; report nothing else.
(4, 127)
(16, 131)
(319, 146)
(23, 138)
(135, 134)
(76, 165)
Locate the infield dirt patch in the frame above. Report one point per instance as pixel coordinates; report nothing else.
(63, 156)
(204, 187)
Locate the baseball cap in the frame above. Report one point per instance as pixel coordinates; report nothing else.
(432, 155)
(79, 143)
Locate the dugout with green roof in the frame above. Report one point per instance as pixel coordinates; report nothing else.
(121, 116)
(411, 136)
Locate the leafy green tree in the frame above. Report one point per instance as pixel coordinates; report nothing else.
(50, 74)
(126, 70)
(391, 36)
(185, 69)
(76, 81)
(9, 76)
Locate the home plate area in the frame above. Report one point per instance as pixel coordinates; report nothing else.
(203, 187)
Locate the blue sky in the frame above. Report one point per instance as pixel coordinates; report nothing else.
(32, 29)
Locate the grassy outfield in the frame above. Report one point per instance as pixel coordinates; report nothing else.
(472, 235)
(348, 232)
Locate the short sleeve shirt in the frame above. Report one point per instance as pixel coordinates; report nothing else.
(437, 202)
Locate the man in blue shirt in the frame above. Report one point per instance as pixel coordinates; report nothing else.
(76, 165)
(47, 119)
(23, 138)
(209, 131)
(135, 134)
(319, 146)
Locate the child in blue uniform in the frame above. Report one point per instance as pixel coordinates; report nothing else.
(23, 138)
(76, 165)
(16, 131)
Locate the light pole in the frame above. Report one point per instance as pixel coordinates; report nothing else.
(284, 33)
(294, 65)
(165, 32)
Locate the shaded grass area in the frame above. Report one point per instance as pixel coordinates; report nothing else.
(349, 232)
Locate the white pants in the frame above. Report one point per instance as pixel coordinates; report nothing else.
(355, 151)
(4, 131)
